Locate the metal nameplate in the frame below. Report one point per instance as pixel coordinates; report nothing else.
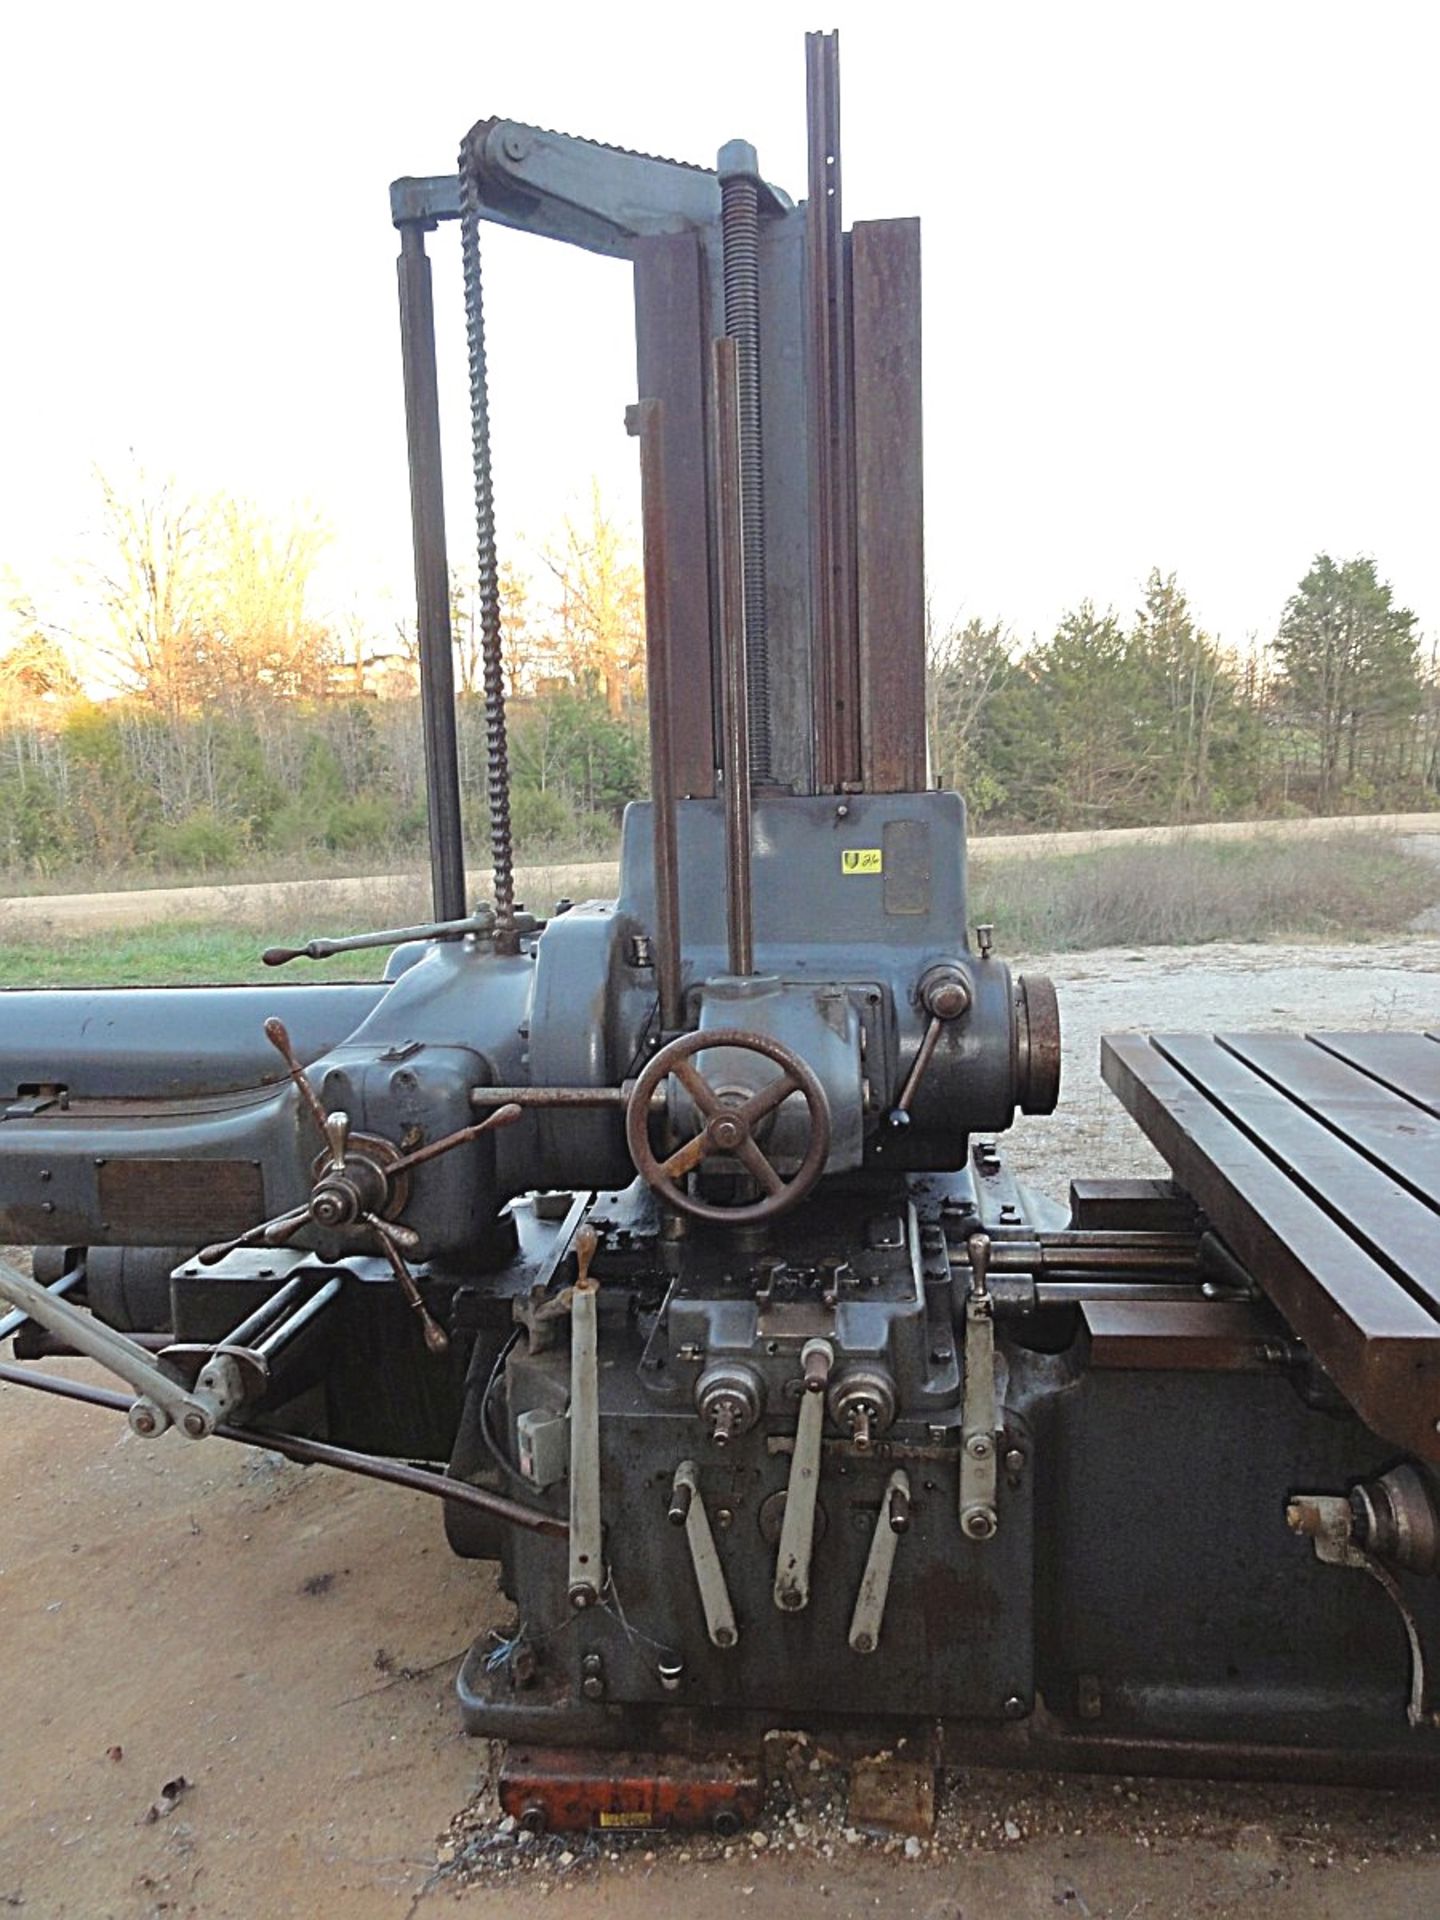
(215, 1198)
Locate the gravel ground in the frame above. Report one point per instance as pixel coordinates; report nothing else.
(227, 1684)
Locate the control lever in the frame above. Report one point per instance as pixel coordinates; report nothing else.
(12, 1322)
(481, 921)
(978, 1517)
(890, 1523)
(945, 996)
(797, 1529)
(161, 1403)
(587, 1571)
(687, 1510)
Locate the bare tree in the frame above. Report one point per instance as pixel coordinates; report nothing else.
(152, 582)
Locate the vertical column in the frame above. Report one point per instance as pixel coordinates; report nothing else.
(432, 575)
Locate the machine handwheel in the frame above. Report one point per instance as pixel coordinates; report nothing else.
(729, 1126)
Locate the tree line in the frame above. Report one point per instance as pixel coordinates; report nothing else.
(1110, 722)
(205, 718)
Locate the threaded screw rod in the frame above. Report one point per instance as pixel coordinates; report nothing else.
(740, 248)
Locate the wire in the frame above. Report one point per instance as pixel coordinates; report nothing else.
(487, 1435)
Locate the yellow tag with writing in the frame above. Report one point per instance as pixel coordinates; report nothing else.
(862, 860)
(632, 1820)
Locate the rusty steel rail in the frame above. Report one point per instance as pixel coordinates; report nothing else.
(317, 1453)
(837, 700)
(647, 421)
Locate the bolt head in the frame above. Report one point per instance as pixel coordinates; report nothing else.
(1014, 1461)
(1015, 1707)
(978, 1523)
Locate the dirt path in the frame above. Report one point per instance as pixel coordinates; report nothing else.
(286, 1642)
(404, 893)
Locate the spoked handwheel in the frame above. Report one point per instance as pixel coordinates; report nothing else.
(358, 1184)
(730, 1125)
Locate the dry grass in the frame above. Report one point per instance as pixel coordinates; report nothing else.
(1350, 887)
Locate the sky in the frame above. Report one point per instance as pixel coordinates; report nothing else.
(1180, 275)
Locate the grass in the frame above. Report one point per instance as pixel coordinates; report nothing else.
(1351, 887)
(170, 956)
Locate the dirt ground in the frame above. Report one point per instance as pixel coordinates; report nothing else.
(284, 1642)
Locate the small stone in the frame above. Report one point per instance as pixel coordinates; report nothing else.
(759, 1839)
(567, 1859)
(507, 1825)
(524, 1839)
(852, 1836)
(1012, 1832)
(913, 1848)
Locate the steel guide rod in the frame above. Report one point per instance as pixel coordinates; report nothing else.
(432, 574)
(316, 1453)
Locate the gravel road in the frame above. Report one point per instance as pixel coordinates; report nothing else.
(284, 1642)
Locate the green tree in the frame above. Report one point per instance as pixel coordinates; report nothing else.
(1209, 742)
(1349, 661)
(1077, 740)
(966, 665)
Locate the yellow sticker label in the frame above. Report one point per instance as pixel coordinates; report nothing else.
(626, 1819)
(862, 860)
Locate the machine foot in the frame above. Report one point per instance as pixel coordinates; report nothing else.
(568, 1789)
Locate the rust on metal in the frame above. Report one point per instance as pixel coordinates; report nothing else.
(895, 1786)
(162, 1197)
(1384, 1125)
(566, 1789)
(837, 696)
(1389, 1222)
(1179, 1336)
(1371, 1334)
(1037, 1024)
(889, 503)
(649, 418)
(1408, 1063)
(670, 354)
